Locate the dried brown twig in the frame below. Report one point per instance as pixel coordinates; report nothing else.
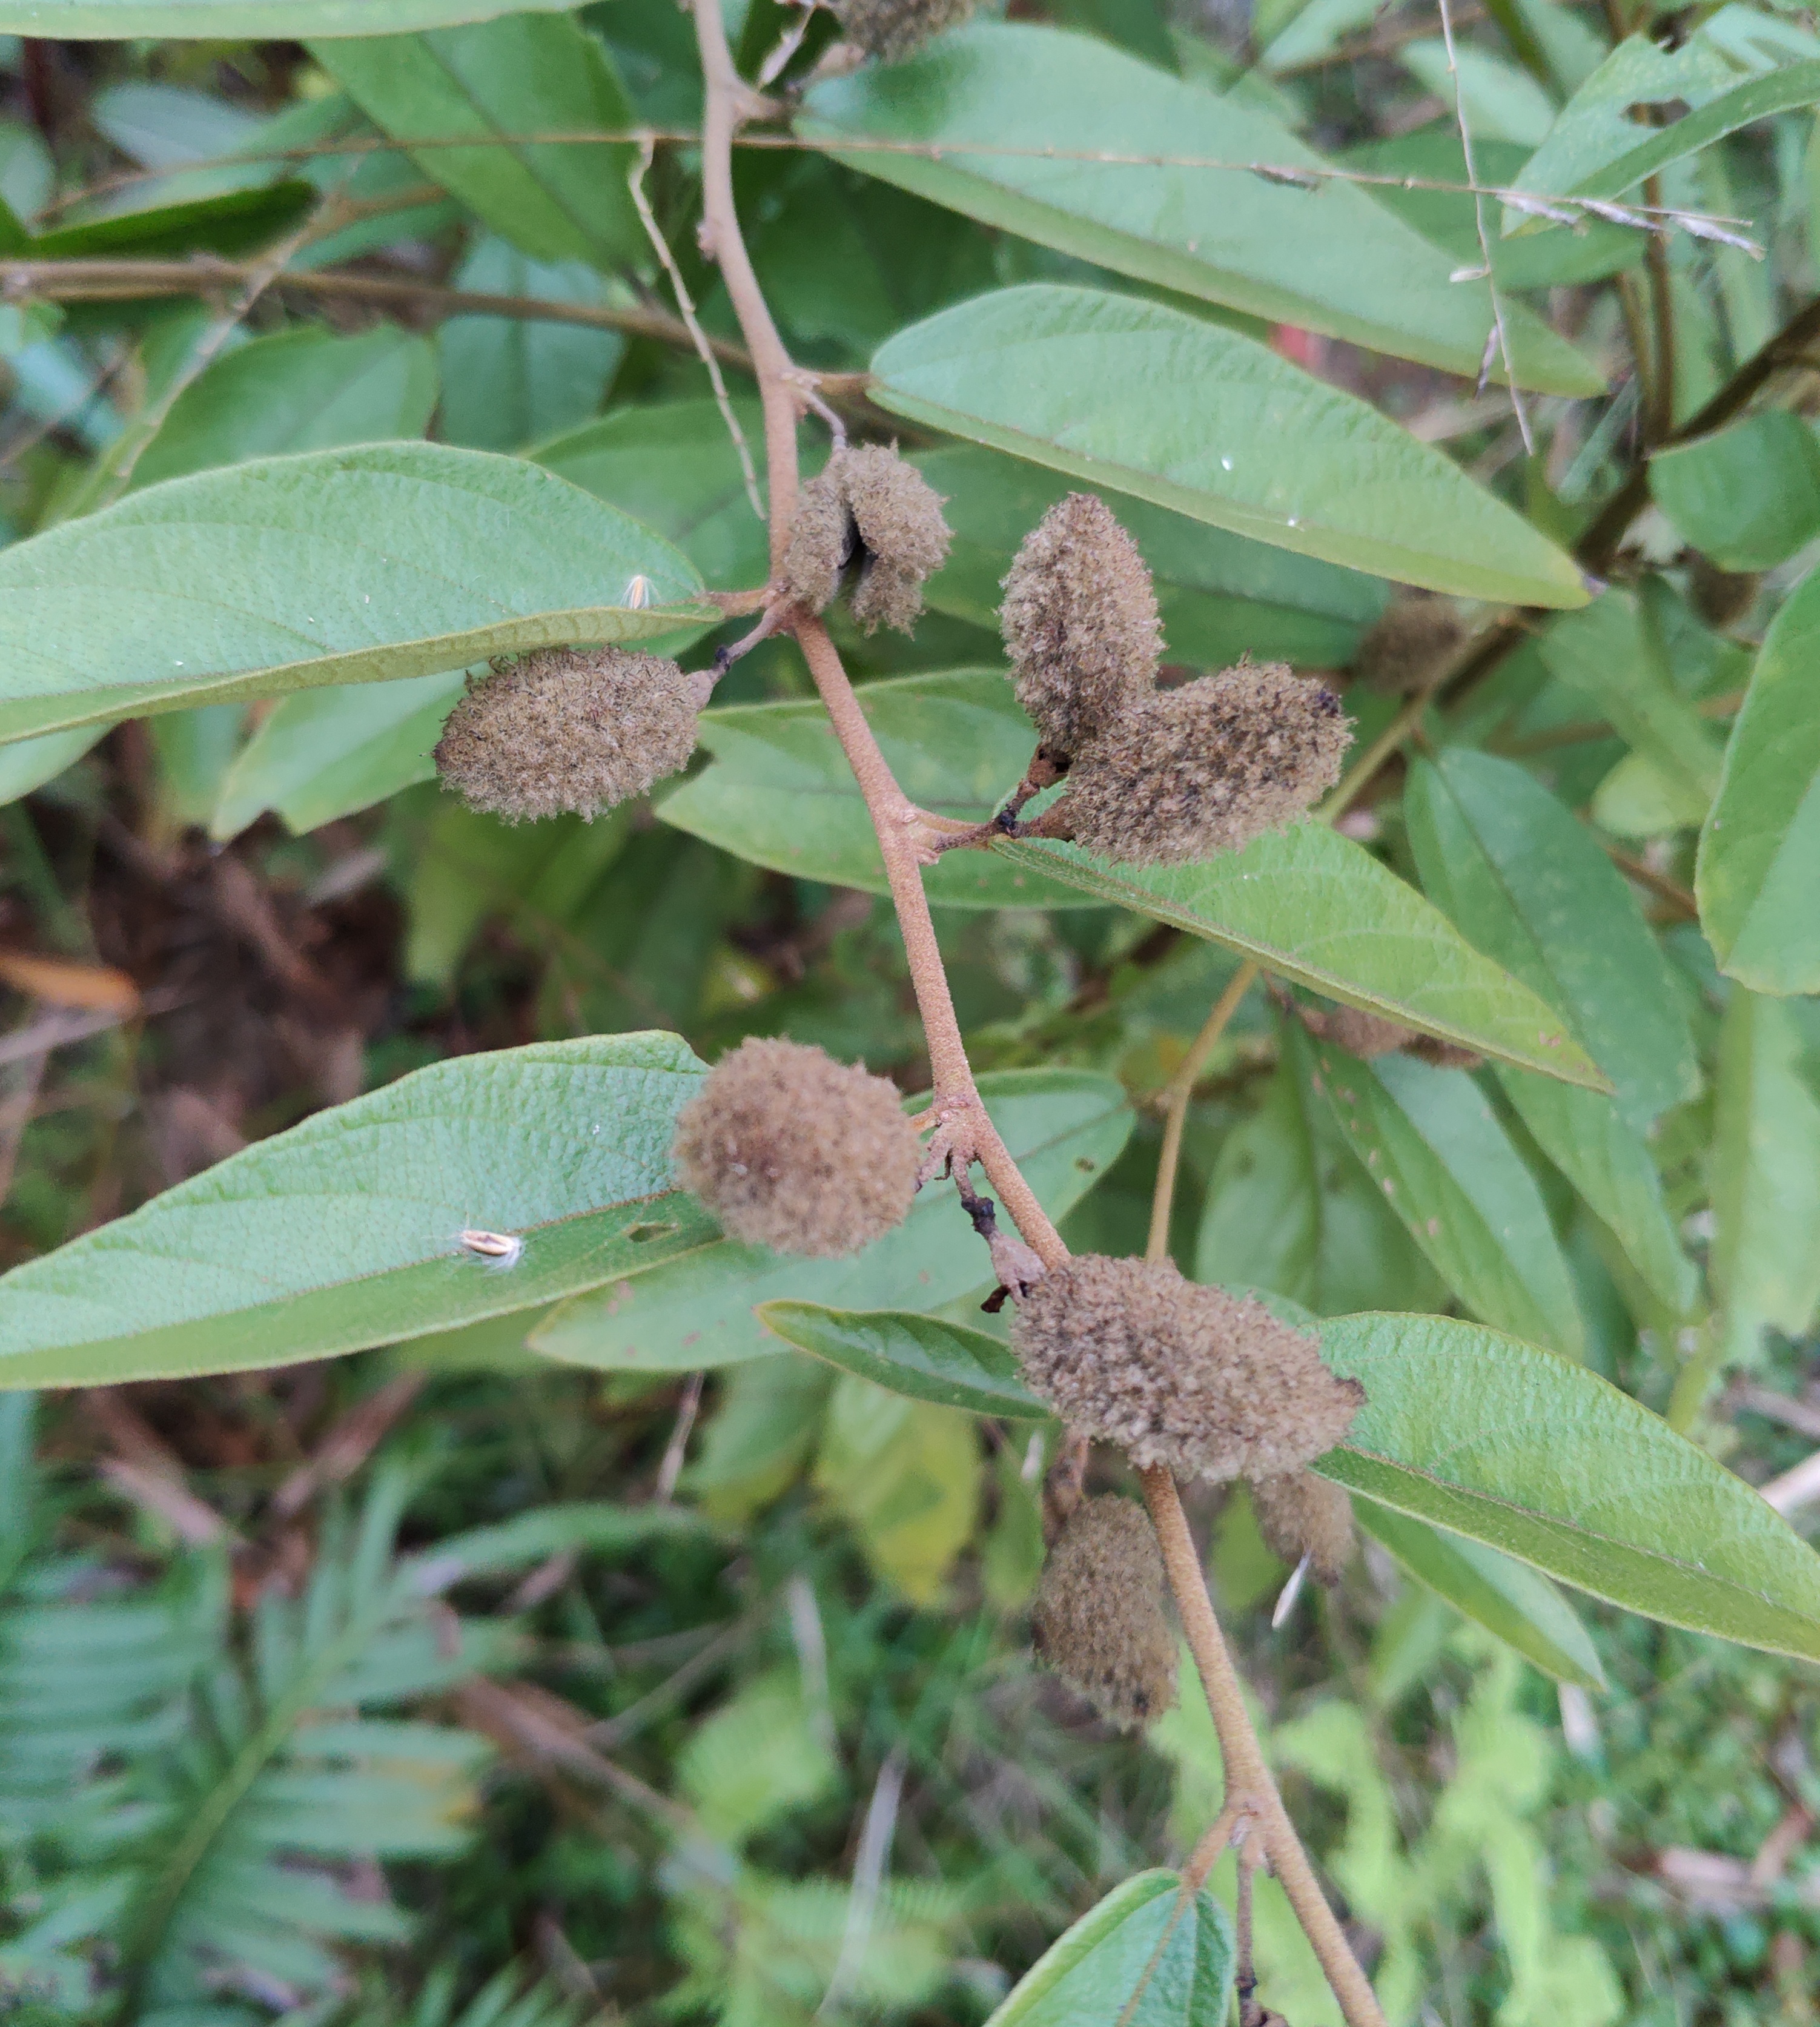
(963, 1133)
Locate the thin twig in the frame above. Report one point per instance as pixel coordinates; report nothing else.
(1661, 307)
(685, 305)
(1176, 1094)
(676, 1448)
(869, 1867)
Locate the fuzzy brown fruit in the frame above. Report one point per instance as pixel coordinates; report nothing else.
(1409, 644)
(793, 1150)
(567, 729)
(1081, 624)
(1299, 1515)
(1367, 1035)
(888, 30)
(1205, 768)
(866, 503)
(1099, 1620)
(1176, 1373)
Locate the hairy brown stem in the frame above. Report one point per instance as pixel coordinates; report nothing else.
(906, 838)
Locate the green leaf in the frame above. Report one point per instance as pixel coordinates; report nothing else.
(1538, 1457)
(1145, 399)
(1759, 870)
(29, 763)
(337, 566)
(297, 390)
(235, 221)
(121, 20)
(1002, 121)
(1529, 885)
(345, 1231)
(1765, 1177)
(1600, 145)
(1434, 1146)
(319, 755)
(1318, 908)
(673, 465)
(1500, 100)
(1221, 596)
(529, 1537)
(1289, 1210)
(1142, 1934)
(904, 1476)
(924, 1356)
(1064, 1128)
(525, 73)
(1748, 497)
(1615, 656)
(1518, 1603)
(780, 791)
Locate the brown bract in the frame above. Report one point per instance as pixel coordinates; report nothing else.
(1081, 624)
(793, 1150)
(866, 503)
(574, 730)
(1299, 1515)
(1175, 1373)
(891, 30)
(1205, 768)
(1409, 644)
(1099, 1620)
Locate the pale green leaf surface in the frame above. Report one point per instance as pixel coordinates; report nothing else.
(1766, 1176)
(335, 566)
(120, 20)
(1538, 1457)
(1014, 107)
(1318, 908)
(300, 390)
(1434, 1146)
(1502, 102)
(495, 80)
(781, 793)
(1145, 399)
(1064, 1128)
(1748, 497)
(322, 754)
(1527, 883)
(1757, 877)
(344, 1231)
(1220, 596)
(924, 1356)
(1090, 1975)
(29, 763)
(1517, 1603)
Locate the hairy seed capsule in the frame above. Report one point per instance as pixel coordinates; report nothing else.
(1408, 643)
(867, 504)
(1081, 624)
(1205, 768)
(1721, 597)
(567, 729)
(793, 1150)
(1299, 1515)
(1175, 1373)
(1099, 1620)
(891, 30)
(1367, 1035)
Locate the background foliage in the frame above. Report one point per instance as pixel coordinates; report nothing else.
(508, 1670)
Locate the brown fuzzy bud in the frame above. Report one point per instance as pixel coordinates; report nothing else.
(1205, 768)
(1721, 597)
(1299, 1515)
(866, 503)
(1099, 1620)
(891, 30)
(1368, 1034)
(1175, 1373)
(1409, 644)
(793, 1150)
(567, 729)
(1081, 624)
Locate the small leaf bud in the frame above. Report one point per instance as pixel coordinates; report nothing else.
(793, 1150)
(574, 729)
(1299, 1515)
(1081, 624)
(1099, 1621)
(1177, 1373)
(888, 30)
(1205, 768)
(867, 504)
(1408, 643)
